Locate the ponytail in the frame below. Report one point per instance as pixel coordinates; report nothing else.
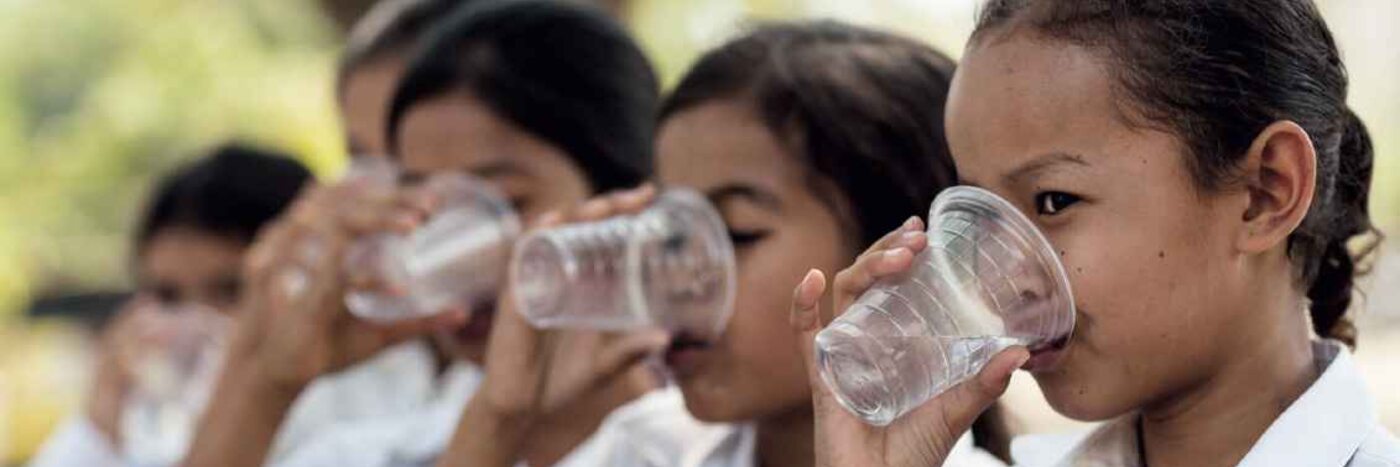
(1332, 274)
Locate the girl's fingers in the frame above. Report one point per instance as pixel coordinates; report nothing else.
(805, 318)
(594, 209)
(907, 235)
(636, 199)
(400, 331)
(548, 220)
(868, 268)
(628, 350)
(806, 322)
(962, 404)
(612, 205)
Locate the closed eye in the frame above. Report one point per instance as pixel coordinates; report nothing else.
(743, 239)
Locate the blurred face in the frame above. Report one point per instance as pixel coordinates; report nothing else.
(364, 104)
(458, 132)
(780, 230)
(1148, 257)
(183, 266)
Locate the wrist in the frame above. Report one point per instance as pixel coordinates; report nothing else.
(104, 410)
(248, 374)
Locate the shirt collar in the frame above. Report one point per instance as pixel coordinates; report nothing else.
(1327, 424)
(1324, 426)
(426, 433)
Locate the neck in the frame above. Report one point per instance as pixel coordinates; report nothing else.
(562, 432)
(786, 439)
(1220, 418)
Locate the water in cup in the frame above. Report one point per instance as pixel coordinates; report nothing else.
(987, 281)
(173, 375)
(670, 266)
(456, 259)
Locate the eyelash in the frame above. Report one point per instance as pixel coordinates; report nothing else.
(1053, 203)
(745, 238)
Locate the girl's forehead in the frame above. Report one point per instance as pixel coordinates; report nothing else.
(1020, 99)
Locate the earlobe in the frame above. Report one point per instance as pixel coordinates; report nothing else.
(1280, 174)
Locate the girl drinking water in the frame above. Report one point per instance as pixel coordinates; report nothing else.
(1197, 167)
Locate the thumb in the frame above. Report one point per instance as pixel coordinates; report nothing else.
(970, 398)
(626, 351)
(806, 320)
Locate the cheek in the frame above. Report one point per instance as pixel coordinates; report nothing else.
(762, 361)
(1146, 296)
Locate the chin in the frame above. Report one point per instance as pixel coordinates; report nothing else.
(710, 405)
(460, 348)
(1080, 398)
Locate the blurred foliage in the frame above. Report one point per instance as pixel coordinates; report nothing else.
(97, 97)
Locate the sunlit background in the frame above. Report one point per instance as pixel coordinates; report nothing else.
(99, 96)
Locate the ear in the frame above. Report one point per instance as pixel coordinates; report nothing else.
(1280, 174)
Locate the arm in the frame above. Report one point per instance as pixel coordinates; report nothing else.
(292, 326)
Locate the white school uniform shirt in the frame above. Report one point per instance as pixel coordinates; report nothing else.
(734, 446)
(410, 438)
(398, 379)
(651, 431)
(655, 430)
(1333, 424)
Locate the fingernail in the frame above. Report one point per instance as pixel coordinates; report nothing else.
(911, 224)
(809, 283)
(634, 196)
(426, 200)
(661, 338)
(405, 222)
(549, 218)
(596, 206)
(911, 239)
(1021, 361)
(895, 254)
(805, 314)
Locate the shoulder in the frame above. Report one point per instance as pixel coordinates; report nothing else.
(77, 442)
(1379, 449)
(656, 429)
(349, 445)
(1045, 449)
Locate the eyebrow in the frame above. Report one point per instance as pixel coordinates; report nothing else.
(489, 170)
(1044, 163)
(497, 169)
(722, 193)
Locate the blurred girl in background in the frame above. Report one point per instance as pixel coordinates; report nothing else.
(187, 252)
(550, 102)
(376, 55)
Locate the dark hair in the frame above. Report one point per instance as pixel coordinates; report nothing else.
(390, 28)
(232, 192)
(862, 108)
(1216, 73)
(565, 73)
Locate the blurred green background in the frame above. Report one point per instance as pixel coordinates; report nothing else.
(97, 97)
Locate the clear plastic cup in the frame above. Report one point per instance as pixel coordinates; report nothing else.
(174, 370)
(988, 280)
(457, 258)
(670, 266)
